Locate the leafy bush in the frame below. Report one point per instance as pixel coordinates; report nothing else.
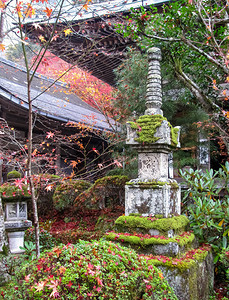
(90, 270)
(67, 191)
(207, 200)
(47, 241)
(105, 192)
(224, 259)
(45, 185)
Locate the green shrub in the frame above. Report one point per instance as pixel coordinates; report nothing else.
(67, 191)
(90, 270)
(107, 191)
(13, 174)
(47, 241)
(224, 259)
(45, 185)
(207, 202)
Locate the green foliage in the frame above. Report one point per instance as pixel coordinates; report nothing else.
(65, 193)
(12, 192)
(193, 51)
(207, 201)
(13, 174)
(47, 241)
(89, 270)
(29, 250)
(106, 191)
(224, 259)
(131, 77)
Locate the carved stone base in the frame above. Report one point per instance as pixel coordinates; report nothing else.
(153, 198)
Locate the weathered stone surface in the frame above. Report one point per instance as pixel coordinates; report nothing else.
(152, 200)
(17, 225)
(195, 283)
(2, 227)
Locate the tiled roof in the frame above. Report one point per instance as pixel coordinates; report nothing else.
(55, 103)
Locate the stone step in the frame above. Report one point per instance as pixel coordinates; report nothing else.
(152, 225)
(191, 276)
(154, 244)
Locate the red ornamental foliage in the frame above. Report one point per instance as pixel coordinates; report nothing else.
(93, 91)
(148, 236)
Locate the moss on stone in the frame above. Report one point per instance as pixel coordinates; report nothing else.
(176, 223)
(183, 263)
(146, 127)
(174, 135)
(154, 184)
(143, 242)
(13, 175)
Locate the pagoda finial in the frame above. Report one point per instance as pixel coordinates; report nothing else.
(153, 91)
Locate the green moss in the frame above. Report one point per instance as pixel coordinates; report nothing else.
(153, 184)
(132, 239)
(115, 179)
(176, 223)
(146, 127)
(174, 135)
(183, 263)
(11, 192)
(13, 174)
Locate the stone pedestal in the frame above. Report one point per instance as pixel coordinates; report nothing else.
(146, 198)
(16, 240)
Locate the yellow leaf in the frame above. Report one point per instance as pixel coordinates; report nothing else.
(221, 222)
(2, 4)
(67, 31)
(2, 47)
(41, 38)
(85, 6)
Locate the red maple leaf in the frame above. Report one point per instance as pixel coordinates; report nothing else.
(48, 11)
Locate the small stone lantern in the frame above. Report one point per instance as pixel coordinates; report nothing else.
(15, 206)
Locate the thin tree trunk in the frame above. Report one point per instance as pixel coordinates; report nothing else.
(29, 173)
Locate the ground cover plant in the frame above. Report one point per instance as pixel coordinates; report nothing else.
(89, 270)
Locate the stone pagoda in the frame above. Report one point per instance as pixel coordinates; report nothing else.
(153, 192)
(152, 224)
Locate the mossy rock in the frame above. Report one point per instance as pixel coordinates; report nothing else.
(13, 175)
(108, 191)
(191, 276)
(10, 192)
(146, 244)
(141, 224)
(66, 193)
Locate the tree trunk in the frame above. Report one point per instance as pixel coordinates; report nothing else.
(29, 173)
